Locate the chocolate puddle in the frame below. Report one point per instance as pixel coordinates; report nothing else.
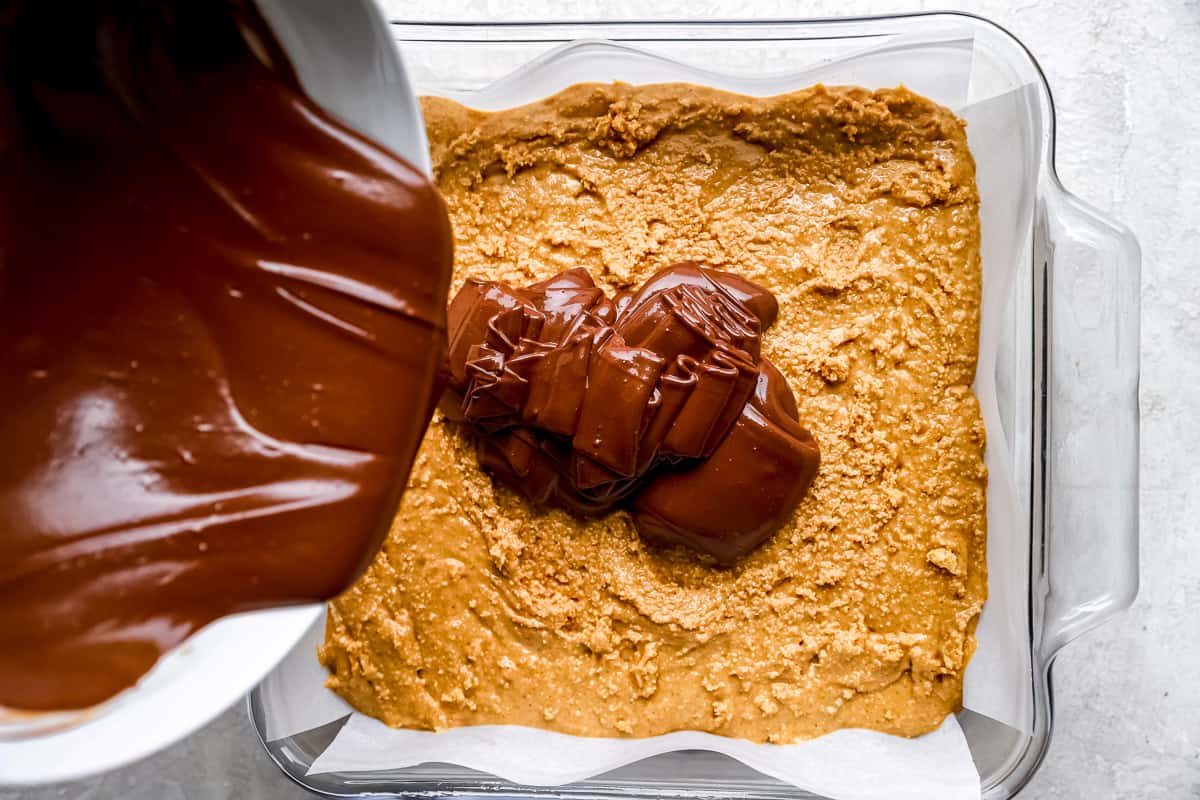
(657, 401)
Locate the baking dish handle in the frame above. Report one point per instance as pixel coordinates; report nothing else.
(1091, 290)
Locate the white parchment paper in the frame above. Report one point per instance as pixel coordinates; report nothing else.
(849, 764)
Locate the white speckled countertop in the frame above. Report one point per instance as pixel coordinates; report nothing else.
(1125, 76)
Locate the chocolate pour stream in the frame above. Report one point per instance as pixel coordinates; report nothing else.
(657, 401)
(221, 314)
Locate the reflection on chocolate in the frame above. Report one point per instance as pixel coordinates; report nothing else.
(657, 401)
(221, 313)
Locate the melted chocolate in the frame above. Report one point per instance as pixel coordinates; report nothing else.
(221, 313)
(657, 401)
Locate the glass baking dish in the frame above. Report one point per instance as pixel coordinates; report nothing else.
(1066, 377)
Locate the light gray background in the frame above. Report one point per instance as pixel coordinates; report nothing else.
(1126, 79)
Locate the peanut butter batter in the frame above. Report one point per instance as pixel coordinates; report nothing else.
(859, 211)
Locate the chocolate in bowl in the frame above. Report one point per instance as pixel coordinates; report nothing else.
(203, 270)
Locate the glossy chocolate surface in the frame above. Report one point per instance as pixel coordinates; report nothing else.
(221, 313)
(657, 401)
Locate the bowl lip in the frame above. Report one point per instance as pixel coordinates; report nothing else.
(1025, 760)
(70, 753)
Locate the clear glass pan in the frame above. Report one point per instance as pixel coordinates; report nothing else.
(1066, 376)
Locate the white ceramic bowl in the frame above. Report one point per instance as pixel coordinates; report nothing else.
(347, 62)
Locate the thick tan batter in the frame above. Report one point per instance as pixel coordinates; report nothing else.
(859, 211)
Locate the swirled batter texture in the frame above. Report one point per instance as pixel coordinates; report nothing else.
(858, 211)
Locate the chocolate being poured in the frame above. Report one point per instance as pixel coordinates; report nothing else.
(657, 401)
(221, 314)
